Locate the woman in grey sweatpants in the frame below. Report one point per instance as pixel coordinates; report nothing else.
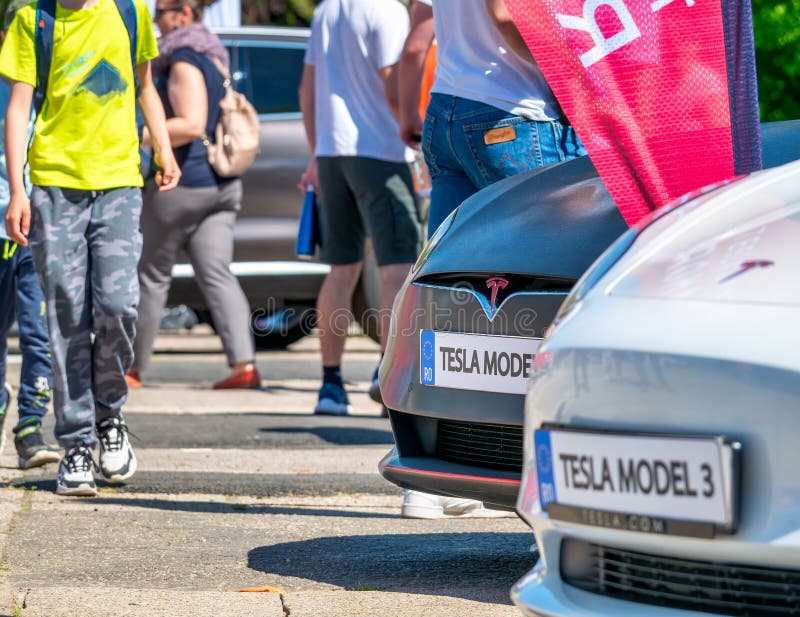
(198, 216)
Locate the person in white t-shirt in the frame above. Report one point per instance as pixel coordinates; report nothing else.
(348, 96)
(491, 114)
(412, 62)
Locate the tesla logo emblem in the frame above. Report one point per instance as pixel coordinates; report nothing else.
(749, 265)
(496, 283)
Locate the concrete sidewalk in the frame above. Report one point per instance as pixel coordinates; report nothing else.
(191, 555)
(263, 495)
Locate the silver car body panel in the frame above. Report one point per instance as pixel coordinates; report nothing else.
(261, 35)
(701, 256)
(700, 354)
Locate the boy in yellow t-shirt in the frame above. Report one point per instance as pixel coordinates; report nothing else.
(82, 220)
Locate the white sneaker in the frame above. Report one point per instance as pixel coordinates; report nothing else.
(75, 473)
(423, 505)
(117, 461)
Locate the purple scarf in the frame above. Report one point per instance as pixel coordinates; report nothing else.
(194, 36)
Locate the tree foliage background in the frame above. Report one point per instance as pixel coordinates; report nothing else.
(277, 12)
(776, 25)
(777, 30)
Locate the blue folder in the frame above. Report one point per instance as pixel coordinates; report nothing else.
(308, 236)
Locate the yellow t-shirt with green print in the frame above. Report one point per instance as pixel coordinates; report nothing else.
(85, 136)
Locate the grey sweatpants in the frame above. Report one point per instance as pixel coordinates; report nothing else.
(200, 221)
(85, 246)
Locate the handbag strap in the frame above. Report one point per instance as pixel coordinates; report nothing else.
(226, 82)
(226, 76)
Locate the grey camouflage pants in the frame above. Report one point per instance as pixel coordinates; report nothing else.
(86, 246)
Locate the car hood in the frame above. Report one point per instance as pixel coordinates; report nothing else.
(737, 244)
(553, 221)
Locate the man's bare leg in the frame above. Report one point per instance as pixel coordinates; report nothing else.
(334, 313)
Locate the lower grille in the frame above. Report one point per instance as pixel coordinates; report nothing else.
(494, 446)
(746, 591)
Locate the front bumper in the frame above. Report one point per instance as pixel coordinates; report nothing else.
(497, 489)
(624, 391)
(543, 591)
(488, 467)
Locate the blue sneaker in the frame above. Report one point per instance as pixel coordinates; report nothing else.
(9, 397)
(333, 401)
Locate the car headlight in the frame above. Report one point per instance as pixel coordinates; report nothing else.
(436, 238)
(595, 272)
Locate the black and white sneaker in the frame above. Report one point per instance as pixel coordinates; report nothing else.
(75, 475)
(117, 461)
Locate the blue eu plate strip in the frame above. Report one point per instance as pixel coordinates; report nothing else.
(544, 468)
(427, 358)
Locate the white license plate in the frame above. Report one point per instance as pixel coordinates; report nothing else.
(476, 361)
(661, 478)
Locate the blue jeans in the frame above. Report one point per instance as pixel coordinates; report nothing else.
(461, 162)
(18, 278)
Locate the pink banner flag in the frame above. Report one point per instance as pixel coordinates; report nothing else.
(661, 92)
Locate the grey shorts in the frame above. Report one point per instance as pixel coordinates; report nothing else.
(360, 196)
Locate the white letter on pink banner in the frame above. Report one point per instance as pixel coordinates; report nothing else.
(587, 23)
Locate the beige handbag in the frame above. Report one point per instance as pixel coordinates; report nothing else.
(237, 134)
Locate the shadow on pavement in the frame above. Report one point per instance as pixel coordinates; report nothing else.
(338, 435)
(478, 566)
(232, 484)
(215, 507)
(256, 430)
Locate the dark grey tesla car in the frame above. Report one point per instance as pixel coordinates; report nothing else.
(470, 317)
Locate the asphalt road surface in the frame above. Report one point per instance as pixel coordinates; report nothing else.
(247, 490)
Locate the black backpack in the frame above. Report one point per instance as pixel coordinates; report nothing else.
(45, 24)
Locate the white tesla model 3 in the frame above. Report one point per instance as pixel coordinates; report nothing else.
(661, 468)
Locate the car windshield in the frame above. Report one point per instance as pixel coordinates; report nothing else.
(268, 74)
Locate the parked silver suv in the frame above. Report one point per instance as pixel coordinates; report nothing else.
(266, 65)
